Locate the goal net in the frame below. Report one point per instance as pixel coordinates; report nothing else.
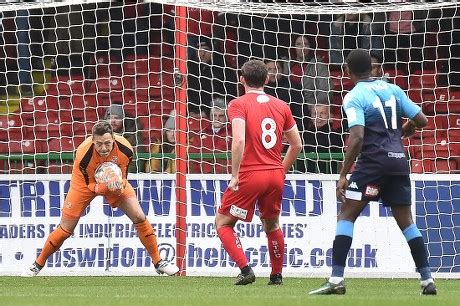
(163, 73)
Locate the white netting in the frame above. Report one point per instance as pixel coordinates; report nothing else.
(66, 65)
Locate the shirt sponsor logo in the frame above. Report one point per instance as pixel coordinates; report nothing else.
(353, 185)
(238, 212)
(396, 155)
(371, 191)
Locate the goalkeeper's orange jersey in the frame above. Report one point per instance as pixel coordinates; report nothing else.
(87, 160)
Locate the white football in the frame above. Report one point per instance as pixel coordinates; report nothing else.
(108, 172)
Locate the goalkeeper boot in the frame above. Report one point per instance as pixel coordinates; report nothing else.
(276, 279)
(329, 288)
(245, 278)
(429, 289)
(34, 269)
(165, 267)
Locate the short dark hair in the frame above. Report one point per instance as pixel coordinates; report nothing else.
(359, 62)
(377, 57)
(102, 127)
(254, 73)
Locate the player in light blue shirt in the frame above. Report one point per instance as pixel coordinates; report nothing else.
(375, 111)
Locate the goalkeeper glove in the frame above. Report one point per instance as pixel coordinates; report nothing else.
(101, 189)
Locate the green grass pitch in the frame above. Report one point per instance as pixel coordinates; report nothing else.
(205, 291)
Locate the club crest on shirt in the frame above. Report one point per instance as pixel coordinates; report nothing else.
(371, 191)
(115, 159)
(238, 212)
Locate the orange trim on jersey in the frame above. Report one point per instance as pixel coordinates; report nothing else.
(87, 160)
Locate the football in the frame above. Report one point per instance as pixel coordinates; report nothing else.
(109, 173)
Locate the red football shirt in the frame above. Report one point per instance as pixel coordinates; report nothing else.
(266, 118)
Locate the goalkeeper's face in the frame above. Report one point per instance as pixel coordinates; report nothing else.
(103, 144)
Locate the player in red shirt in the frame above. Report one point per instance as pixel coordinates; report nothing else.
(258, 170)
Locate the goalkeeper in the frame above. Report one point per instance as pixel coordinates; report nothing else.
(102, 146)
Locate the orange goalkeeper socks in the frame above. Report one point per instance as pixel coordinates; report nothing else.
(52, 244)
(149, 239)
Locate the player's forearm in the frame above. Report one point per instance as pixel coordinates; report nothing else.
(354, 147)
(290, 157)
(237, 156)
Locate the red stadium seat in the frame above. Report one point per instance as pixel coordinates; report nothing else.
(39, 103)
(161, 49)
(135, 65)
(111, 85)
(155, 85)
(27, 146)
(415, 95)
(441, 101)
(445, 165)
(436, 127)
(75, 102)
(433, 148)
(397, 77)
(435, 156)
(341, 81)
(197, 124)
(439, 166)
(423, 79)
(3, 127)
(66, 86)
(83, 129)
(17, 125)
(137, 109)
(453, 136)
(63, 145)
(417, 166)
(46, 125)
(453, 122)
(126, 97)
(106, 66)
(152, 127)
(452, 99)
(412, 145)
(20, 145)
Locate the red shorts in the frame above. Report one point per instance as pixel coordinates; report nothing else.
(78, 199)
(264, 187)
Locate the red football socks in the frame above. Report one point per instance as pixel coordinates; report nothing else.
(232, 245)
(276, 250)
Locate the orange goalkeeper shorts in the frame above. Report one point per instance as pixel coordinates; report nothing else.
(78, 199)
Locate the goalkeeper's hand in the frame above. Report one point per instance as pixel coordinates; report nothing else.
(104, 189)
(113, 182)
(101, 189)
(113, 186)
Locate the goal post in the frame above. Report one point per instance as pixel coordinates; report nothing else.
(170, 68)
